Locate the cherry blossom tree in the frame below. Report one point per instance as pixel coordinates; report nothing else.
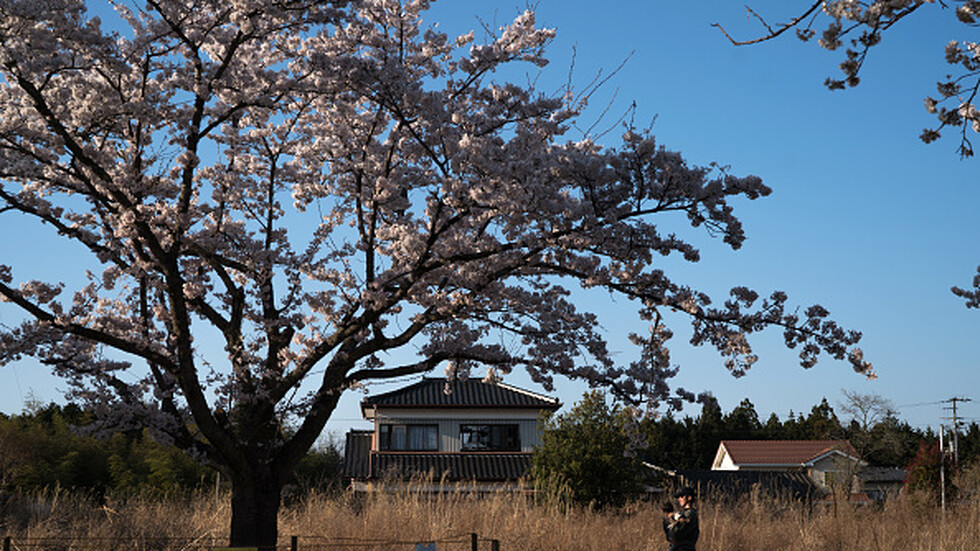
(857, 26)
(336, 194)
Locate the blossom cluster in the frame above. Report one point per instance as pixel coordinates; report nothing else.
(860, 26)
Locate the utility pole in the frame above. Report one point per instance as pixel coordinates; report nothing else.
(956, 427)
(942, 471)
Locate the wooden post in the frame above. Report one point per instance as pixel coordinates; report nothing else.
(474, 542)
(6, 543)
(294, 543)
(494, 545)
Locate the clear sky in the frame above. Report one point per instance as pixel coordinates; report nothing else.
(865, 219)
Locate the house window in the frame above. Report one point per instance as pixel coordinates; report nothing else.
(410, 437)
(490, 438)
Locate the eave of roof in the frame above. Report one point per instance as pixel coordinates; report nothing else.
(829, 453)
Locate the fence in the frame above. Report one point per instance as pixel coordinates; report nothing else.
(110, 544)
(463, 542)
(470, 542)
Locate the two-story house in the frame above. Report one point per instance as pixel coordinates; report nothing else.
(463, 430)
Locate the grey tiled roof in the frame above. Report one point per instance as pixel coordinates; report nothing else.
(734, 484)
(362, 464)
(883, 474)
(454, 467)
(470, 393)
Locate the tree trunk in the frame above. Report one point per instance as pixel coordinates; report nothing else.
(255, 502)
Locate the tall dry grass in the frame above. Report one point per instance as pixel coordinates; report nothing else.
(79, 521)
(414, 515)
(910, 523)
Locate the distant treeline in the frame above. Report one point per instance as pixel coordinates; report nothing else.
(691, 443)
(48, 447)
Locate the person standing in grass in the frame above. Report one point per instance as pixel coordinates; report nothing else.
(681, 526)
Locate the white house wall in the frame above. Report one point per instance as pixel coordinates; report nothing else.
(724, 463)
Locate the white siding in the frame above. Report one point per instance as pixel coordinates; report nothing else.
(725, 463)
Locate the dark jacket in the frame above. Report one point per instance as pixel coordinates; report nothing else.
(683, 533)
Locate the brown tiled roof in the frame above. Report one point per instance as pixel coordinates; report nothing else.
(470, 393)
(783, 452)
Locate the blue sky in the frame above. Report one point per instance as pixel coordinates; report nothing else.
(865, 219)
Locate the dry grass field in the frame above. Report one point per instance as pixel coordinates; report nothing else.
(911, 523)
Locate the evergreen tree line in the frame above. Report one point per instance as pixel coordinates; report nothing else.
(50, 446)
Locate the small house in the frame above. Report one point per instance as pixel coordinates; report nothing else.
(828, 463)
